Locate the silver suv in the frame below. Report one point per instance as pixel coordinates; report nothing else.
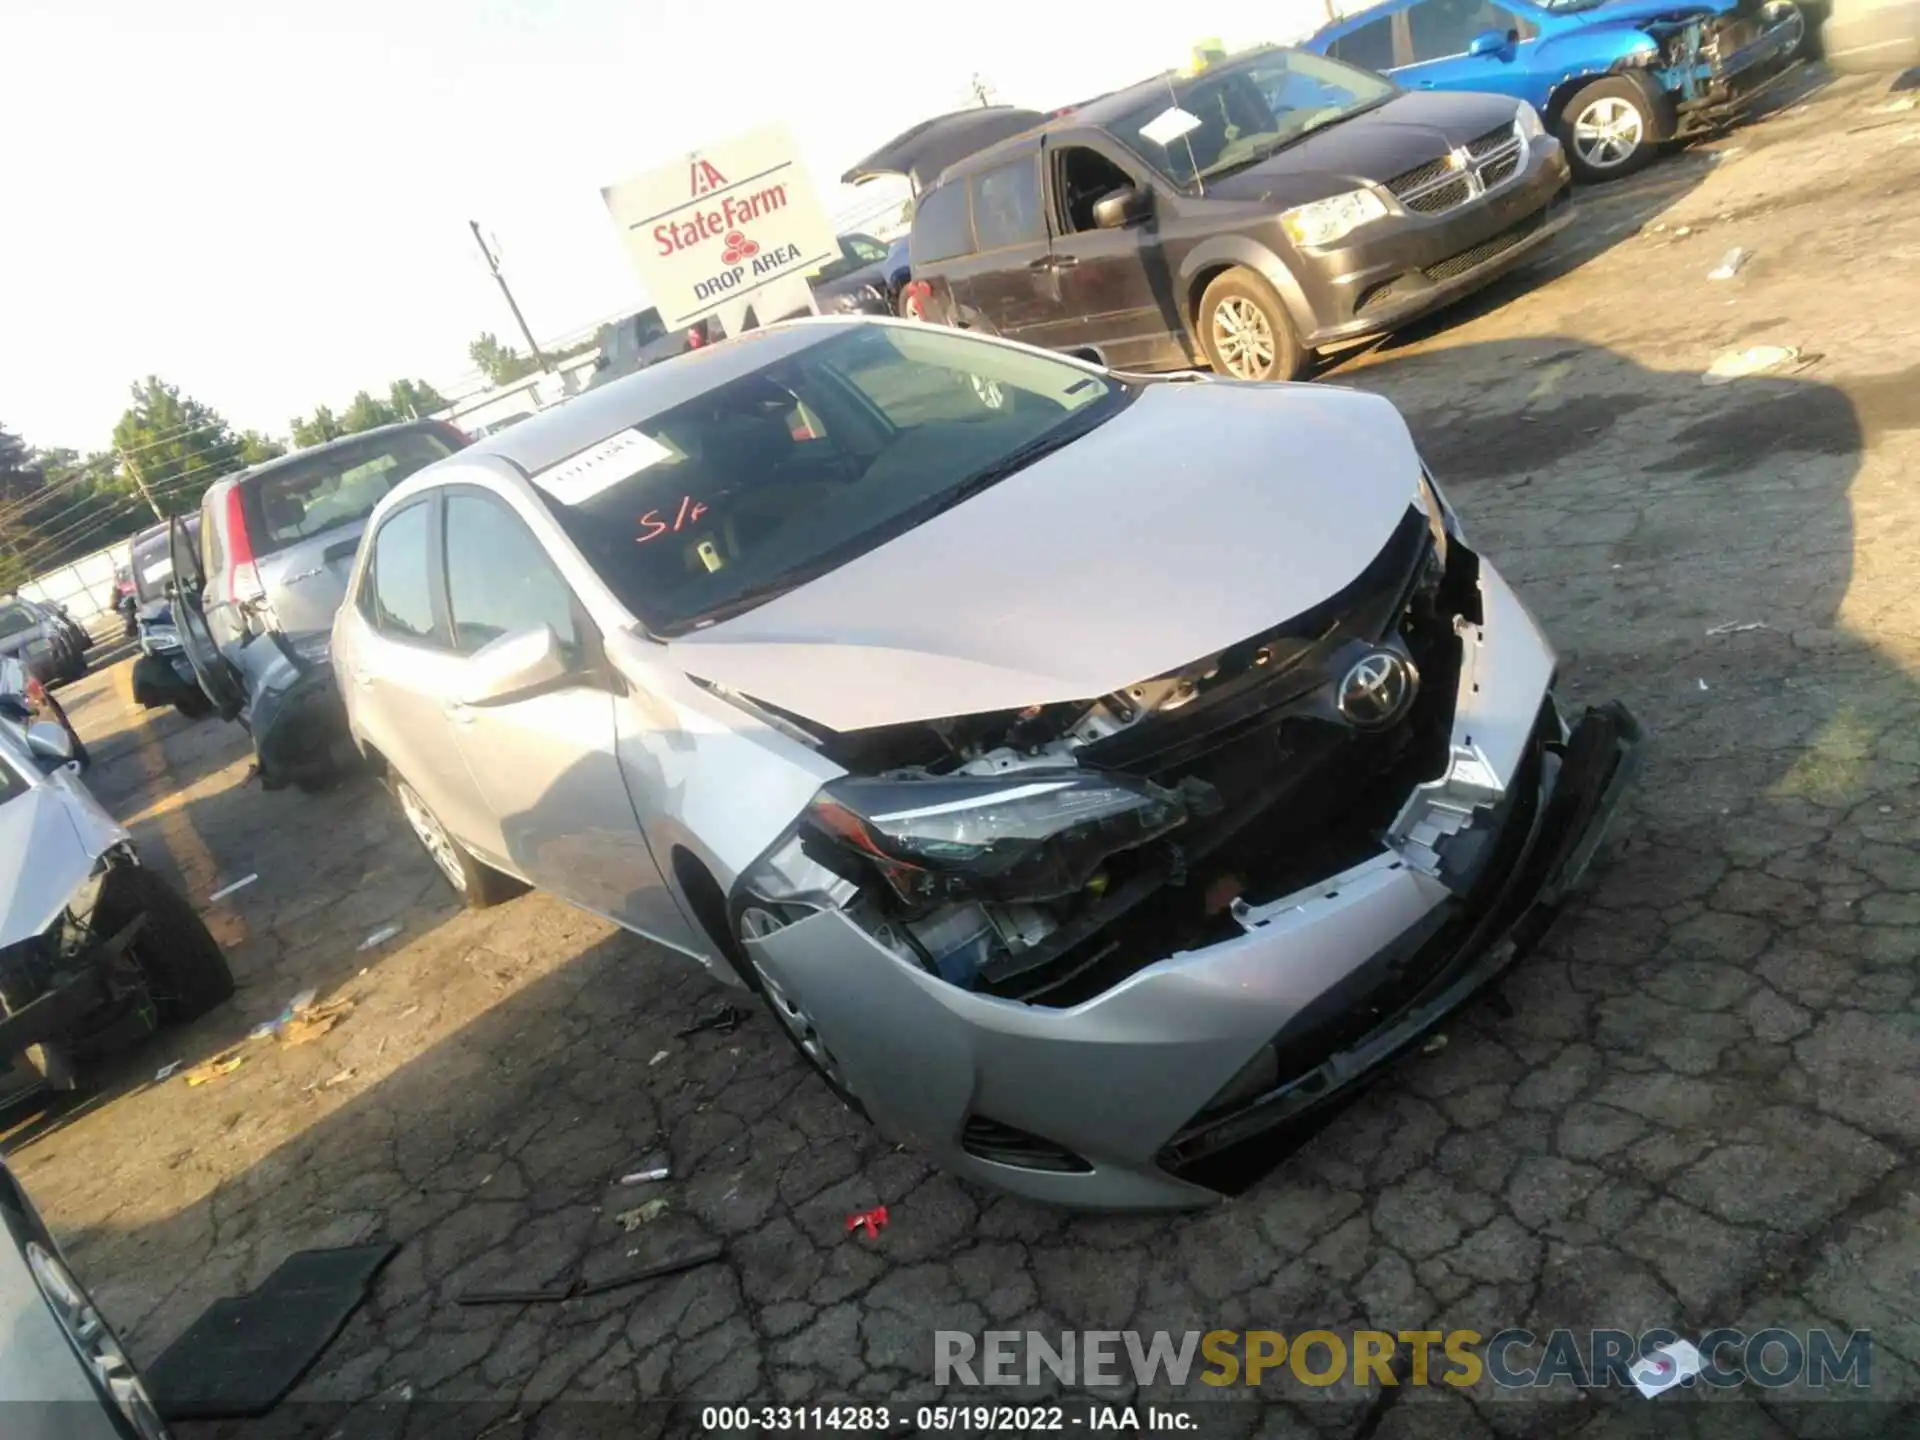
(256, 596)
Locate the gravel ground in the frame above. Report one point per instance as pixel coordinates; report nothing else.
(1701, 1108)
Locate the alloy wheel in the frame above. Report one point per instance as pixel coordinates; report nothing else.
(432, 834)
(1608, 133)
(1244, 338)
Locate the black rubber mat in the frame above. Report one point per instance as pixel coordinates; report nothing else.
(244, 1354)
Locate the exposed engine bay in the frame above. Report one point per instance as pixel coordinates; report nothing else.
(1047, 854)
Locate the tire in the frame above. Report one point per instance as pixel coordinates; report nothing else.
(185, 969)
(1624, 126)
(1244, 329)
(478, 884)
(195, 706)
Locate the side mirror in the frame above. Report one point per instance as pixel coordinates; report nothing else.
(515, 666)
(1489, 42)
(50, 742)
(1120, 208)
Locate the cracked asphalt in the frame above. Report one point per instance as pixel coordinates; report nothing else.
(1699, 1106)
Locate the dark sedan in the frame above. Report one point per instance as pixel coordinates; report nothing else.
(41, 640)
(1276, 203)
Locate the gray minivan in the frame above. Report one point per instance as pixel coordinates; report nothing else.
(261, 587)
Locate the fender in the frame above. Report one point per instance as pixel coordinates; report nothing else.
(1224, 250)
(1562, 64)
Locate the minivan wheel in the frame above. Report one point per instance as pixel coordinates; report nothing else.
(1610, 128)
(1245, 330)
(477, 884)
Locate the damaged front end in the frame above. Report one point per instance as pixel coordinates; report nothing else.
(1089, 950)
(1716, 64)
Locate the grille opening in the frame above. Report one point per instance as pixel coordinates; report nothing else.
(1442, 197)
(1477, 255)
(1421, 174)
(1304, 796)
(1004, 1144)
(1495, 172)
(1491, 141)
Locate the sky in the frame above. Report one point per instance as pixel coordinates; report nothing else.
(266, 203)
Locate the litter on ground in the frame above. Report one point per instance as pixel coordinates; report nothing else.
(872, 1221)
(647, 1177)
(1754, 360)
(226, 890)
(1665, 1367)
(167, 1071)
(658, 1056)
(380, 936)
(640, 1215)
(1730, 264)
(225, 1063)
(1738, 627)
(724, 1018)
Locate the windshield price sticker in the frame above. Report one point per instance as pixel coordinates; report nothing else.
(580, 477)
(1169, 125)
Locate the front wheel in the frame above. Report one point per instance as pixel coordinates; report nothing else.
(1611, 128)
(796, 1022)
(477, 884)
(1245, 330)
(185, 970)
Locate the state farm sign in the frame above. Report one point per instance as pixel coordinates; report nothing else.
(723, 225)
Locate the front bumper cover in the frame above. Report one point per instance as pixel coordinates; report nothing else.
(1128, 1083)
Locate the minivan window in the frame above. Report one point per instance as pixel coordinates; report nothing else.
(1234, 116)
(309, 495)
(399, 590)
(823, 454)
(1442, 29)
(1006, 205)
(941, 227)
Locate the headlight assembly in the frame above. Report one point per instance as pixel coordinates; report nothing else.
(1033, 835)
(1325, 221)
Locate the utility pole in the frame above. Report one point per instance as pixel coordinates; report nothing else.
(493, 264)
(140, 481)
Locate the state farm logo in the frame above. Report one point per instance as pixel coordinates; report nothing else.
(723, 220)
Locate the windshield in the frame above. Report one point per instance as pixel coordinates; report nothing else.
(783, 474)
(308, 495)
(1237, 115)
(16, 619)
(153, 562)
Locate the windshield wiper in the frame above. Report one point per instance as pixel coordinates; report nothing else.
(1011, 463)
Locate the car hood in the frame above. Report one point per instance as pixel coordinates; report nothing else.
(1373, 146)
(1203, 513)
(1636, 12)
(43, 860)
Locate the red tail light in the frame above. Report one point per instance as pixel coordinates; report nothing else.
(696, 337)
(243, 576)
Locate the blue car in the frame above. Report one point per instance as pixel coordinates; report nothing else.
(1615, 79)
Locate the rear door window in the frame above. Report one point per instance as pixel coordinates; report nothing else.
(1370, 47)
(1442, 29)
(399, 587)
(941, 225)
(310, 495)
(1006, 205)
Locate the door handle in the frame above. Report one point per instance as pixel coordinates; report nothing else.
(1426, 84)
(1063, 262)
(1045, 262)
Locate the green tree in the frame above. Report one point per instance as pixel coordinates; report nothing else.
(324, 426)
(366, 413)
(414, 399)
(256, 448)
(20, 474)
(501, 364)
(174, 444)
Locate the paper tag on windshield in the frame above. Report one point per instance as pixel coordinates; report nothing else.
(580, 477)
(1169, 125)
(158, 570)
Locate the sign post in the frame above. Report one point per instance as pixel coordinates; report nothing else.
(732, 231)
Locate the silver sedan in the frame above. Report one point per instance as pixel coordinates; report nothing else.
(1097, 776)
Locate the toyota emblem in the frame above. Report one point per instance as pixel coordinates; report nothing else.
(1377, 690)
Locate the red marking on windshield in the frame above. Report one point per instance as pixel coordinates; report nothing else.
(690, 510)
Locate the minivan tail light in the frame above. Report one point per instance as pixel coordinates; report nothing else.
(243, 576)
